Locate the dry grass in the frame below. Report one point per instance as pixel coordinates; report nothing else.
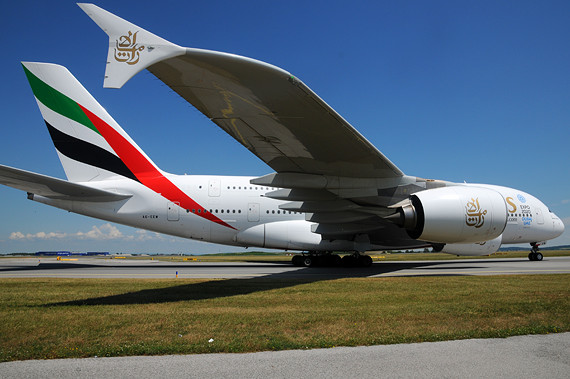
(53, 318)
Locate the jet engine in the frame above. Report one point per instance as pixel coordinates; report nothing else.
(458, 214)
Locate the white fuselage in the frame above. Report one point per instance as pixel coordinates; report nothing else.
(252, 219)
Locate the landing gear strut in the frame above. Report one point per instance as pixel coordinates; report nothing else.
(535, 255)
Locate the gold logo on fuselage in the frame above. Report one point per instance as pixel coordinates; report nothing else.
(474, 215)
(512, 206)
(127, 50)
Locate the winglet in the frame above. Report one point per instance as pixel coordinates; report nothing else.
(131, 48)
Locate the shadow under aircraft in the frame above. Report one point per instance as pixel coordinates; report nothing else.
(213, 289)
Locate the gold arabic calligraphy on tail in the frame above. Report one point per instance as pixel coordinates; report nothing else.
(127, 50)
(474, 215)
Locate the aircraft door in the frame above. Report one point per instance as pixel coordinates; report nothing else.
(172, 213)
(539, 216)
(214, 187)
(253, 212)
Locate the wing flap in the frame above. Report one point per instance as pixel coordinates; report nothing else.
(54, 188)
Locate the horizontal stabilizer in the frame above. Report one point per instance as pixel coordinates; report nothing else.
(131, 48)
(54, 188)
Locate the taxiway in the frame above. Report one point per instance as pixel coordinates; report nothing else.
(126, 268)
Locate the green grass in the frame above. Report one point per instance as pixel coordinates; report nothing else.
(59, 318)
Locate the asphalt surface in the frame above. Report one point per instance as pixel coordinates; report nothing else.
(125, 268)
(540, 356)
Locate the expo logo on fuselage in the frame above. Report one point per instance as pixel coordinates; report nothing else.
(525, 211)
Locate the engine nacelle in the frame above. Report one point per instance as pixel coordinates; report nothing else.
(455, 215)
(478, 248)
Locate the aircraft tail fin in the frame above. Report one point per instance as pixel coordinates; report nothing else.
(131, 48)
(90, 144)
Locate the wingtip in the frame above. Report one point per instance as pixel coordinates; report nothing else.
(85, 5)
(131, 48)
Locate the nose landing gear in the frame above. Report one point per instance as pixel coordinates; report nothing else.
(534, 254)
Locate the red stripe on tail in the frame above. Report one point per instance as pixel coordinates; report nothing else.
(147, 173)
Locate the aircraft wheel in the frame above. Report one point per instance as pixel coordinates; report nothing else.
(297, 260)
(535, 254)
(309, 261)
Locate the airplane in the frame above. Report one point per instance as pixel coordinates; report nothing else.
(331, 189)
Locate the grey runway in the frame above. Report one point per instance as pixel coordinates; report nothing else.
(125, 268)
(540, 356)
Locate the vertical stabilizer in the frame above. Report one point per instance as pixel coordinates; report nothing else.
(90, 144)
(131, 48)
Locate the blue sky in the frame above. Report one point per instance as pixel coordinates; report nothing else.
(453, 90)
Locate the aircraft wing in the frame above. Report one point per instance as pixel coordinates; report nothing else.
(53, 188)
(273, 114)
(325, 167)
(268, 110)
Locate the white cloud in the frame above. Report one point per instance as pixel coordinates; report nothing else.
(104, 232)
(17, 236)
(39, 235)
(99, 233)
(145, 235)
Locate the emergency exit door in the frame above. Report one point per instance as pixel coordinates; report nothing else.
(172, 213)
(253, 212)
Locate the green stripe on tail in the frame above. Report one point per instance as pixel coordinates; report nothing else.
(57, 101)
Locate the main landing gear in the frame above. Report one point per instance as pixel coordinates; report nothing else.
(327, 259)
(535, 255)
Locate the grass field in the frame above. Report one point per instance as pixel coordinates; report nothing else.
(58, 318)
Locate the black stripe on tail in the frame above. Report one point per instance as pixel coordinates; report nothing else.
(87, 153)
